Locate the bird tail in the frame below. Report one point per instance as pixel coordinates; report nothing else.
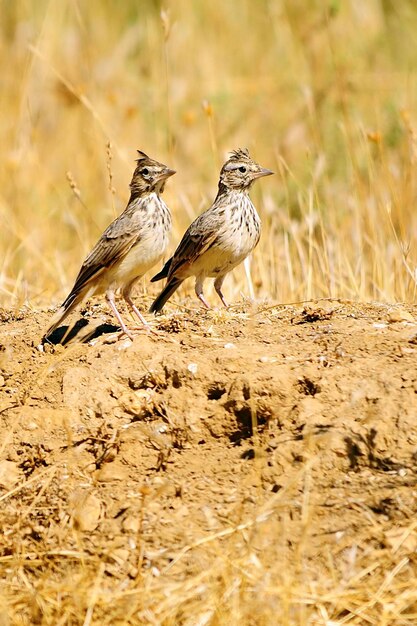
(74, 298)
(171, 286)
(163, 273)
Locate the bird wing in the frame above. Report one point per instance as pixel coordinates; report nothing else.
(201, 235)
(116, 241)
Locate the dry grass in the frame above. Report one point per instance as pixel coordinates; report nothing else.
(255, 572)
(325, 94)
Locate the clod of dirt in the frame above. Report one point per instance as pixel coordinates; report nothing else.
(10, 474)
(399, 315)
(86, 510)
(110, 472)
(131, 524)
(171, 325)
(10, 316)
(309, 412)
(138, 403)
(312, 314)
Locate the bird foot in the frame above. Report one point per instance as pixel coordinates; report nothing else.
(125, 333)
(146, 328)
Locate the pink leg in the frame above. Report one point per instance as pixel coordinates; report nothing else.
(199, 291)
(203, 300)
(218, 287)
(135, 310)
(139, 315)
(128, 299)
(110, 300)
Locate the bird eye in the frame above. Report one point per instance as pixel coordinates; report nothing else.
(242, 169)
(145, 171)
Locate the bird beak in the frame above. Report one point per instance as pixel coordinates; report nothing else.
(167, 173)
(262, 172)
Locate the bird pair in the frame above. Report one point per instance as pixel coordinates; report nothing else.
(216, 242)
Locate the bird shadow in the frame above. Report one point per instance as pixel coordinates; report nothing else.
(82, 331)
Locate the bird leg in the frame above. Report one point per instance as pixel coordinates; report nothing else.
(132, 305)
(135, 310)
(199, 291)
(218, 287)
(112, 305)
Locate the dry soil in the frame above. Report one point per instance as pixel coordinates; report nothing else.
(137, 457)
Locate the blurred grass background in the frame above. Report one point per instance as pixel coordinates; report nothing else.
(323, 92)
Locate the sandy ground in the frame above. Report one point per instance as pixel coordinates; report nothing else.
(291, 429)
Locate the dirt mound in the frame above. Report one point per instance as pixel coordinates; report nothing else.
(283, 436)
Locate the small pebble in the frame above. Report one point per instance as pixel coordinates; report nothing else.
(131, 524)
(267, 359)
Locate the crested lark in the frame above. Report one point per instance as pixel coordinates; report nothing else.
(132, 244)
(221, 237)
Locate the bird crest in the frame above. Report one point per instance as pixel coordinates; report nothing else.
(142, 156)
(240, 153)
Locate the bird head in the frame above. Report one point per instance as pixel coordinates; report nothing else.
(240, 171)
(149, 176)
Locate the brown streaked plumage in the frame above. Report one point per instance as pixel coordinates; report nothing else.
(221, 237)
(132, 244)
